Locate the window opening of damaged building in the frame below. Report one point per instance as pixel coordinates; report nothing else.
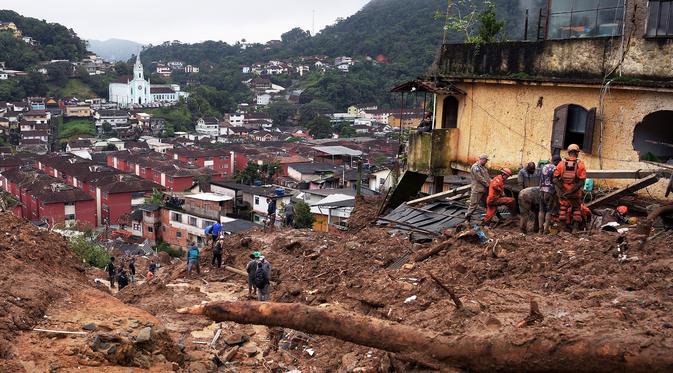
(584, 18)
(573, 124)
(450, 112)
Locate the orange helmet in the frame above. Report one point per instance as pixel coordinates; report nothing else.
(506, 171)
(573, 148)
(622, 209)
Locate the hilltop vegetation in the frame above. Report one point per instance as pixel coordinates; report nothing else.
(54, 42)
(403, 36)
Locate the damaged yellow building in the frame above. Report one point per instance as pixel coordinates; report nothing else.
(592, 79)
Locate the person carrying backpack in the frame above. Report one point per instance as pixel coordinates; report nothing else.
(193, 259)
(123, 279)
(110, 269)
(262, 280)
(251, 268)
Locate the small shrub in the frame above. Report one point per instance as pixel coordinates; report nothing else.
(90, 252)
(163, 246)
(303, 218)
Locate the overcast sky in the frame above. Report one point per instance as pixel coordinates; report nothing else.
(155, 21)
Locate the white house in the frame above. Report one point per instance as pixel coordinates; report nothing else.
(117, 119)
(263, 99)
(208, 126)
(189, 69)
(380, 180)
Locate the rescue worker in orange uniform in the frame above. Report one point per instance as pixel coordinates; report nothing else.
(569, 178)
(496, 196)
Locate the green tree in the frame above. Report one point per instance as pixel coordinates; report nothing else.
(489, 27)
(295, 35)
(303, 218)
(320, 127)
(308, 112)
(249, 174)
(89, 251)
(346, 130)
(156, 198)
(122, 68)
(107, 127)
(280, 112)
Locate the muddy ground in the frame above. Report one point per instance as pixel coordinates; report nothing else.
(582, 286)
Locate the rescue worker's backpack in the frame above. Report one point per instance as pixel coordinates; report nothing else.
(260, 278)
(569, 175)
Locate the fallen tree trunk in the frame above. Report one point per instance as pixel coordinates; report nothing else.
(421, 256)
(498, 352)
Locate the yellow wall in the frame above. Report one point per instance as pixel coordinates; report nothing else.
(513, 122)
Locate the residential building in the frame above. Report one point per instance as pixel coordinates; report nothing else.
(254, 199)
(165, 94)
(146, 222)
(47, 198)
(222, 161)
(115, 193)
(80, 110)
(163, 70)
(38, 116)
(186, 221)
(117, 119)
(592, 80)
(208, 126)
(189, 69)
(263, 99)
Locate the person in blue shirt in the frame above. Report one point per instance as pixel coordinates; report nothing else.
(193, 259)
(213, 231)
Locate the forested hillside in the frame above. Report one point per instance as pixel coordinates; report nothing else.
(403, 35)
(54, 42)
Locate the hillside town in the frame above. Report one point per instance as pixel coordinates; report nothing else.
(508, 209)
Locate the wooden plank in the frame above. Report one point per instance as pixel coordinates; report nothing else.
(640, 184)
(58, 331)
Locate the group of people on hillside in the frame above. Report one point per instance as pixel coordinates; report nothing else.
(123, 273)
(560, 185)
(258, 268)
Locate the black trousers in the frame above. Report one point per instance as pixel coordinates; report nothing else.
(217, 257)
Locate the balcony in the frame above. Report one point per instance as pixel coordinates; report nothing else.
(432, 153)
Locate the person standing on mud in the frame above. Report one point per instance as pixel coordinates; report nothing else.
(251, 268)
(480, 183)
(111, 271)
(217, 253)
(569, 178)
(193, 259)
(289, 214)
(132, 269)
(262, 280)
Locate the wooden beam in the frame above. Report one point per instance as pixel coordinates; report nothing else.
(622, 174)
(640, 184)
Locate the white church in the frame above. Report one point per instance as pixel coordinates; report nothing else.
(136, 91)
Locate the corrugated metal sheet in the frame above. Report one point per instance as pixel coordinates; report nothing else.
(432, 218)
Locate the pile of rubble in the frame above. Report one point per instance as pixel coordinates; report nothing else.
(497, 299)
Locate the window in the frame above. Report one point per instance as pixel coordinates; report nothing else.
(192, 221)
(178, 234)
(207, 223)
(70, 217)
(256, 200)
(70, 203)
(573, 124)
(150, 229)
(176, 217)
(584, 18)
(660, 18)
